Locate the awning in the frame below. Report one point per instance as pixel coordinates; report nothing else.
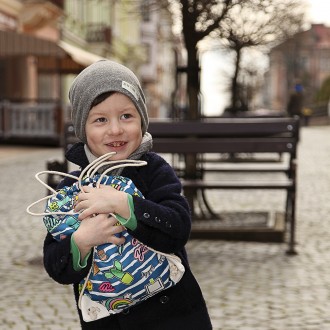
(52, 57)
(79, 55)
(19, 44)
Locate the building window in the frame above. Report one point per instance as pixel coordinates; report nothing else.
(145, 10)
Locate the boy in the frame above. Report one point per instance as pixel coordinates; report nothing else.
(109, 114)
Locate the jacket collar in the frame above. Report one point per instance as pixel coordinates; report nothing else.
(76, 154)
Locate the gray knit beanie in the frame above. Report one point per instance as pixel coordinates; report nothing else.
(98, 78)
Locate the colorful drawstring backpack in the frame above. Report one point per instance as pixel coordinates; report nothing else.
(120, 276)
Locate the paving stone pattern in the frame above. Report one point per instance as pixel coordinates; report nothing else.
(246, 285)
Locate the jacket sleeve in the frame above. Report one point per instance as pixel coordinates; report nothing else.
(163, 217)
(58, 258)
(58, 261)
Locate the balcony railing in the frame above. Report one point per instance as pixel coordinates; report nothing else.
(98, 33)
(25, 121)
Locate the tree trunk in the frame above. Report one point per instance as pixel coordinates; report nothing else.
(234, 86)
(193, 86)
(191, 37)
(192, 114)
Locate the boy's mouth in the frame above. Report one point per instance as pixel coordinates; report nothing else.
(116, 144)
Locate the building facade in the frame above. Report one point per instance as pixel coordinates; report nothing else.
(45, 44)
(30, 65)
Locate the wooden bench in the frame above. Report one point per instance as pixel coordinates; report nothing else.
(233, 137)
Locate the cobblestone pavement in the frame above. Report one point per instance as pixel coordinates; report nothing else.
(246, 285)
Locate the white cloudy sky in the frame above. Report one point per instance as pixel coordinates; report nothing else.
(214, 67)
(319, 11)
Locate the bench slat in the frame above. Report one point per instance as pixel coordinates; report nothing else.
(202, 184)
(225, 127)
(218, 145)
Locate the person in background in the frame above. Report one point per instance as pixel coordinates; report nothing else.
(296, 101)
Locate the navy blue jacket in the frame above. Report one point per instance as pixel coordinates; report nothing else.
(163, 223)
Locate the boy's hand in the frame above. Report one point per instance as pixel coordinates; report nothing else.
(102, 200)
(97, 230)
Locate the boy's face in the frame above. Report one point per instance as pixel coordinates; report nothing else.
(114, 125)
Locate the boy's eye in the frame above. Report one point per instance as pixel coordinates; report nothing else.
(101, 120)
(126, 116)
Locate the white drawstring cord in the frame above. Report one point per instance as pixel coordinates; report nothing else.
(97, 161)
(53, 172)
(90, 169)
(129, 163)
(124, 162)
(28, 209)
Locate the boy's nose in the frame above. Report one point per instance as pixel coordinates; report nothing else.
(115, 128)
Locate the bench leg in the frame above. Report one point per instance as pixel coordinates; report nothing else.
(205, 210)
(291, 215)
(208, 207)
